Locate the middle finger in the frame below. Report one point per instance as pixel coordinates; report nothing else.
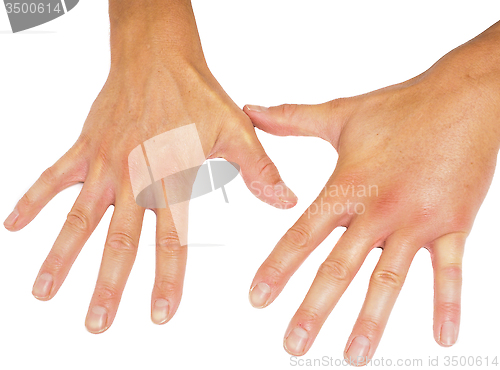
(117, 261)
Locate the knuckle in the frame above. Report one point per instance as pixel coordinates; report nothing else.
(169, 243)
(121, 242)
(27, 201)
(48, 177)
(288, 110)
(369, 326)
(335, 270)
(298, 237)
(425, 213)
(388, 278)
(266, 166)
(340, 108)
(452, 273)
(105, 292)
(308, 315)
(82, 145)
(54, 262)
(78, 220)
(338, 103)
(165, 286)
(449, 309)
(462, 220)
(385, 204)
(101, 157)
(273, 270)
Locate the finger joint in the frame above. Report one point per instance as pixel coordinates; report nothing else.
(452, 273)
(449, 309)
(388, 278)
(165, 286)
(298, 237)
(54, 263)
(370, 327)
(106, 292)
(336, 270)
(121, 242)
(266, 167)
(308, 316)
(78, 221)
(170, 244)
(48, 177)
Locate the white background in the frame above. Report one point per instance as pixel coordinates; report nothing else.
(262, 52)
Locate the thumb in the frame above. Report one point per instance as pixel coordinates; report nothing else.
(259, 172)
(323, 120)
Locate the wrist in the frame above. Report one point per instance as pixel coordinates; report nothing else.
(481, 60)
(154, 31)
(471, 74)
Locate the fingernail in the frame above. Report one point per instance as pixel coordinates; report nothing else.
(448, 334)
(256, 108)
(42, 286)
(284, 193)
(358, 350)
(296, 341)
(11, 219)
(96, 320)
(259, 295)
(160, 311)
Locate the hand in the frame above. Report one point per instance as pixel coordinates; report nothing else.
(415, 163)
(158, 81)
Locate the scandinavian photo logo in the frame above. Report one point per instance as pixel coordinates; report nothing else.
(26, 14)
(169, 170)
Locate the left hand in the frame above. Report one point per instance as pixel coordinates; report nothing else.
(415, 163)
(159, 83)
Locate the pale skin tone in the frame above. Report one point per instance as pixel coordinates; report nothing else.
(158, 81)
(430, 147)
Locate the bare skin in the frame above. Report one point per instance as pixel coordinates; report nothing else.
(158, 81)
(428, 147)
